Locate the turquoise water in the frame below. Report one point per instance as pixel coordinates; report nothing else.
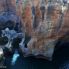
(14, 57)
(30, 63)
(60, 61)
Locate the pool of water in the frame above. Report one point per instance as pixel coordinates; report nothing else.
(60, 61)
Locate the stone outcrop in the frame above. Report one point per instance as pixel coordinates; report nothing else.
(47, 33)
(44, 33)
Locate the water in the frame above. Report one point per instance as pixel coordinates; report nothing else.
(14, 58)
(60, 61)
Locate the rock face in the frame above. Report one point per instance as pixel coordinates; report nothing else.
(45, 27)
(7, 5)
(8, 16)
(48, 31)
(28, 19)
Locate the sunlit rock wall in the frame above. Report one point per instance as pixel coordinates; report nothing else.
(48, 31)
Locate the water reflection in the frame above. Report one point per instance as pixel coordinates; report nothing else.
(15, 57)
